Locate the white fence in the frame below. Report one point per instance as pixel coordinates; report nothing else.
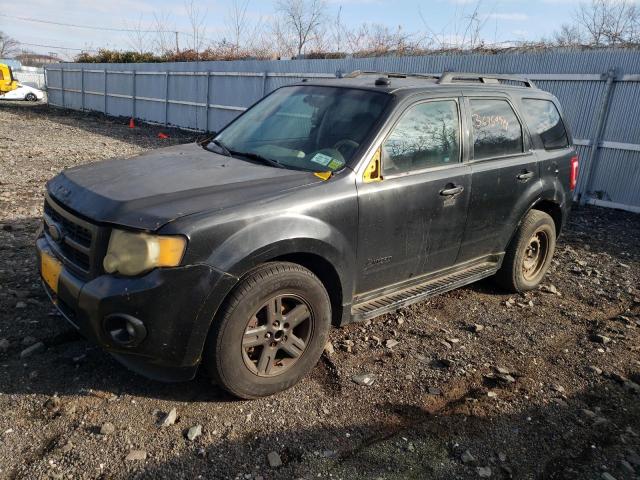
(32, 76)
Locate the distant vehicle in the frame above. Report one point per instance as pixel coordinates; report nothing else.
(327, 202)
(23, 92)
(7, 82)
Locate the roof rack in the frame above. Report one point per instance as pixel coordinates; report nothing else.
(449, 77)
(357, 73)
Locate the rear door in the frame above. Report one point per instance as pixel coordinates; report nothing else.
(412, 221)
(504, 174)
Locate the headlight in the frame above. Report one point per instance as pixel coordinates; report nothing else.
(134, 253)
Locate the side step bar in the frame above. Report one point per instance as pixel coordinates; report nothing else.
(416, 293)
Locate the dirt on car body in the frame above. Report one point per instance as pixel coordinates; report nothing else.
(470, 384)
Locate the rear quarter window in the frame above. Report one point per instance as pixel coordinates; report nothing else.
(544, 120)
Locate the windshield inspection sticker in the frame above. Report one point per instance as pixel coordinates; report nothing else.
(322, 159)
(335, 164)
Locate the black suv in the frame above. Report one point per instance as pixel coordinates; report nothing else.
(325, 203)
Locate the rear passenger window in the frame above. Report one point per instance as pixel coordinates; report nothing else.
(496, 129)
(427, 135)
(544, 120)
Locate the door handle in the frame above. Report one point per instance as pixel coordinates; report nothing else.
(525, 175)
(451, 190)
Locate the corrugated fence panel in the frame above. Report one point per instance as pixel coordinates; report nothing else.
(54, 83)
(190, 90)
(208, 95)
(94, 90)
(623, 121)
(150, 94)
(623, 166)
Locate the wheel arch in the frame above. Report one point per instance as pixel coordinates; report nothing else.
(328, 275)
(546, 205)
(323, 260)
(551, 208)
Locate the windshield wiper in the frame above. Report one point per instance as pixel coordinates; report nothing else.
(221, 146)
(259, 158)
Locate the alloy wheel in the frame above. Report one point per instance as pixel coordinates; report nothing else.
(276, 336)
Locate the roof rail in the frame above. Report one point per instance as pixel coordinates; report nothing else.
(449, 77)
(357, 73)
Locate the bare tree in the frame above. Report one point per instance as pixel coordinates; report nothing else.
(197, 21)
(475, 23)
(301, 20)
(237, 20)
(338, 30)
(165, 40)
(567, 36)
(246, 36)
(138, 36)
(377, 40)
(8, 45)
(463, 30)
(609, 22)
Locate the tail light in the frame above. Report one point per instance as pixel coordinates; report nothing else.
(573, 178)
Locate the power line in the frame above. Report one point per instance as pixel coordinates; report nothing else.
(57, 47)
(92, 27)
(89, 27)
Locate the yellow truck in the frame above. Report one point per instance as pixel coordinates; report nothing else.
(7, 82)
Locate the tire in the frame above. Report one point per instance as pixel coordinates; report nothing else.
(529, 254)
(253, 349)
(30, 97)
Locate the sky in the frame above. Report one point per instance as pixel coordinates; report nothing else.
(506, 20)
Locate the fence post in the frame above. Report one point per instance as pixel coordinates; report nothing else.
(206, 108)
(133, 95)
(595, 141)
(166, 98)
(62, 85)
(105, 91)
(81, 89)
(264, 83)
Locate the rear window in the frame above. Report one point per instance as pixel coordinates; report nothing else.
(544, 120)
(496, 129)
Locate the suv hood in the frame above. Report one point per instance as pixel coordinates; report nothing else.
(157, 187)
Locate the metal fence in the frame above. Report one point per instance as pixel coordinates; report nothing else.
(600, 92)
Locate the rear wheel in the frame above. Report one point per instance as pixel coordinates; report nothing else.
(529, 254)
(270, 332)
(31, 97)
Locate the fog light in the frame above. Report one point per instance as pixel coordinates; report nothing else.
(125, 330)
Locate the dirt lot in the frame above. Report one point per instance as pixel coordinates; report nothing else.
(480, 384)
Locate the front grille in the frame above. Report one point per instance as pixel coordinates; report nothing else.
(73, 230)
(76, 242)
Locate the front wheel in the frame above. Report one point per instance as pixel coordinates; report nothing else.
(31, 97)
(270, 332)
(529, 254)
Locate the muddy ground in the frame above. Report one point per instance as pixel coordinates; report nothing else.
(481, 384)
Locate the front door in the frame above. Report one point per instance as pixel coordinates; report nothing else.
(411, 222)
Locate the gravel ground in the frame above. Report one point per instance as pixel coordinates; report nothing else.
(480, 383)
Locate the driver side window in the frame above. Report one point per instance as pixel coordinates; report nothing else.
(427, 135)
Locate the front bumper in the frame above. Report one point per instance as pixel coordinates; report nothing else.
(176, 306)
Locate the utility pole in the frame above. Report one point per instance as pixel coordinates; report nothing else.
(177, 45)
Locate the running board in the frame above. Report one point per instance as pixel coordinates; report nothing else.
(416, 293)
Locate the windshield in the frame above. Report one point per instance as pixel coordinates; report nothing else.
(304, 127)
